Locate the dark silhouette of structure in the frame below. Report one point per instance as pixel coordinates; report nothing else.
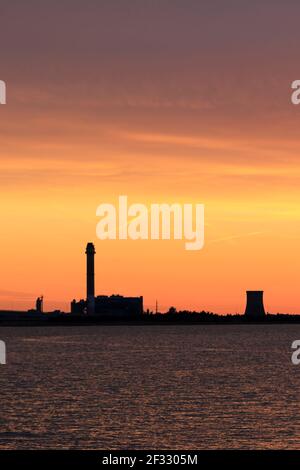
(102, 308)
(255, 306)
(90, 278)
(39, 304)
(115, 306)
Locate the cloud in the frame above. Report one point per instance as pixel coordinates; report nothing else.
(15, 295)
(234, 237)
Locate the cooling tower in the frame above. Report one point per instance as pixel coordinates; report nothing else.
(255, 304)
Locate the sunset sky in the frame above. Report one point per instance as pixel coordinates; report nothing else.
(163, 101)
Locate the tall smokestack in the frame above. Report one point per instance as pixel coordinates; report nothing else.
(255, 304)
(90, 278)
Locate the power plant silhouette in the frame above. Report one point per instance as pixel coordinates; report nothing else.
(116, 307)
(103, 305)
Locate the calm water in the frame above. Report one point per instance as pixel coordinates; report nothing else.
(150, 387)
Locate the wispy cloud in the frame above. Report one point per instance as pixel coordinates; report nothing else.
(234, 237)
(15, 295)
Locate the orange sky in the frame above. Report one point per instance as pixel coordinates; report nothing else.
(165, 103)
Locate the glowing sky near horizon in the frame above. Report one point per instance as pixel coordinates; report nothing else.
(164, 101)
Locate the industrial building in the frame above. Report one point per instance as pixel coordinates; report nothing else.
(115, 306)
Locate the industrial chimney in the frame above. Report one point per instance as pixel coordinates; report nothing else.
(255, 305)
(90, 278)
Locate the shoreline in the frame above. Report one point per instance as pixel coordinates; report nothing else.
(163, 322)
